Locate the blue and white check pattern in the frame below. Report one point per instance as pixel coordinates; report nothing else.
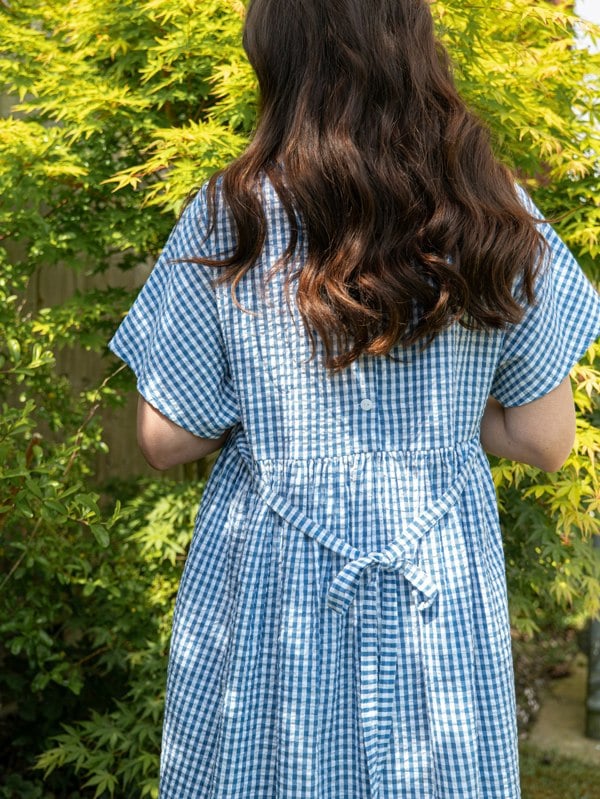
(341, 629)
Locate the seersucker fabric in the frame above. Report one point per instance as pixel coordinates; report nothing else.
(341, 629)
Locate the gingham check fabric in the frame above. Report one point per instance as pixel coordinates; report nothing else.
(341, 629)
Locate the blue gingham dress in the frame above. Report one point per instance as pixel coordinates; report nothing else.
(341, 629)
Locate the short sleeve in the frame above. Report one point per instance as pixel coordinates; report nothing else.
(555, 332)
(172, 339)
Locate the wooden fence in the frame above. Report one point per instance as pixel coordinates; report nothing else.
(52, 286)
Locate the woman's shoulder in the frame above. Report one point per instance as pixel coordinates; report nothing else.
(264, 189)
(211, 202)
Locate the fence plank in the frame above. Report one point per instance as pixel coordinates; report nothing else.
(54, 285)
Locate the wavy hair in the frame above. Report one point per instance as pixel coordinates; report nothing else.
(410, 220)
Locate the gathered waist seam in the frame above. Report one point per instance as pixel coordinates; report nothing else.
(405, 453)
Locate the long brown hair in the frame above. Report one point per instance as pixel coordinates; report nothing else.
(375, 156)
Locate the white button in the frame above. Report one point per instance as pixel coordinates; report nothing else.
(366, 404)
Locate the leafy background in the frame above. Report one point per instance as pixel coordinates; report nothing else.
(117, 111)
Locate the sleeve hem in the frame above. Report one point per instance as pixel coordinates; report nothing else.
(174, 414)
(532, 396)
(552, 382)
(161, 403)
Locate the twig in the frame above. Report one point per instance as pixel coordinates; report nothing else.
(92, 412)
(19, 560)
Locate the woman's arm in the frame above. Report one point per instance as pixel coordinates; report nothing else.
(164, 444)
(540, 433)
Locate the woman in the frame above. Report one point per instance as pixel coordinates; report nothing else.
(356, 309)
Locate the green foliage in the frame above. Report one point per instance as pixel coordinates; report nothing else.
(521, 69)
(549, 519)
(54, 537)
(120, 110)
(99, 89)
(118, 747)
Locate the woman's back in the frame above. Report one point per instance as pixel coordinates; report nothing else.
(292, 408)
(341, 628)
(418, 398)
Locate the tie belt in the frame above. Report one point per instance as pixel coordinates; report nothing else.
(377, 635)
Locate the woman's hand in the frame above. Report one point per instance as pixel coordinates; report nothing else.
(164, 444)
